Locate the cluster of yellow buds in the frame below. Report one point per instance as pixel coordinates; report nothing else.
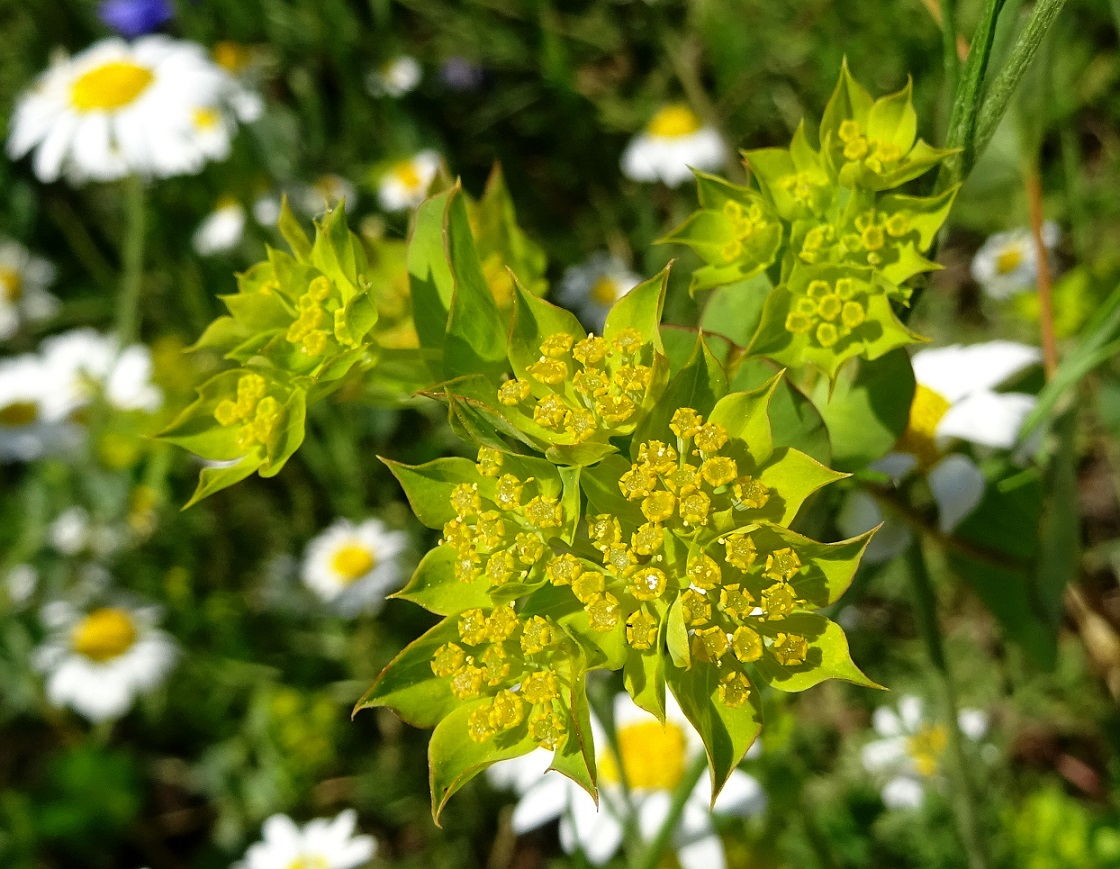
(867, 243)
(305, 330)
(577, 389)
(875, 154)
(516, 664)
(808, 188)
(828, 312)
(257, 413)
(747, 224)
(501, 531)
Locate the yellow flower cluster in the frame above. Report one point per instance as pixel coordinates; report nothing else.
(748, 223)
(305, 330)
(503, 538)
(828, 312)
(875, 154)
(873, 232)
(257, 413)
(809, 188)
(587, 385)
(513, 662)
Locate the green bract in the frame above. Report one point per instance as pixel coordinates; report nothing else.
(298, 324)
(668, 557)
(825, 208)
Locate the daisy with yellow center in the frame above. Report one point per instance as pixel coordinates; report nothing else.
(23, 288)
(98, 662)
(31, 424)
(1007, 263)
(910, 752)
(155, 107)
(592, 288)
(652, 761)
(673, 143)
(955, 400)
(405, 184)
(320, 844)
(222, 229)
(399, 76)
(354, 566)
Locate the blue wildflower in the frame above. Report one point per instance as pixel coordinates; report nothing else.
(134, 18)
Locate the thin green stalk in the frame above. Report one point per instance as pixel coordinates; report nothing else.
(949, 54)
(967, 99)
(651, 858)
(132, 260)
(1114, 5)
(998, 98)
(964, 797)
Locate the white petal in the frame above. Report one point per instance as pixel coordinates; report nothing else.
(973, 723)
(990, 419)
(860, 513)
(958, 487)
(540, 804)
(895, 465)
(703, 853)
(652, 812)
(956, 371)
(910, 713)
(903, 793)
(884, 754)
(886, 722)
(742, 795)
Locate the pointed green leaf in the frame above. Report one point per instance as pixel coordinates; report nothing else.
(428, 487)
(640, 309)
(292, 232)
(435, 587)
(727, 733)
(828, 656)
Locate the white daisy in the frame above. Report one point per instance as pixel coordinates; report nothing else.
(655, 758)
(1007, 263)
(405, 184)
(245, 65)
(909, 755)
(354, 566)
(590, 289)
(955, 400)
(98, 662)
(155, 107)
(674, 140)
(31, 421)
(324, 193)
(83, 363)
(321, 844)
(20, 581)
(222, 229)
(23, 287)
(396, 78)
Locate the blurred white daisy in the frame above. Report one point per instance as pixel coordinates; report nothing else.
(910, 754)
(655, 758)
(222, 229)
(955, 400)
(405, 184)
(20, 582)
(396, 78)
(324, 193)
(590, 289)
(83, 364)
(99, 662)
(674, 140)
(354, 566)
(245, 65)
(31, 421)
(320, 844)
(74, 531)
(1007, 263)
(155, 107)
(23, 287)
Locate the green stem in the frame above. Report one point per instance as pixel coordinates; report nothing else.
(1043, 16)
(966, 100)
(132, 261)
(651, 858)
(964, 797)
(949, 54)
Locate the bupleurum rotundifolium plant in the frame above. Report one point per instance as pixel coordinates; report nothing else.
(837, 248)
(652, 537)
